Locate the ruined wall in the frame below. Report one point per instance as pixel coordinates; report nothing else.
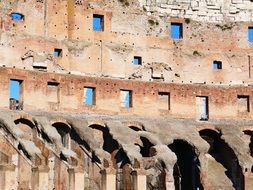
(210, 10)
(129, 30)
(223, 102)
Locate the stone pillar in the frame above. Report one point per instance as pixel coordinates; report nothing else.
(40, 178)
(79, 180)
(35, 178)
(134, 180)
(142, 182)
(169, 180)
(248, 180)
(139, 180)
(8, 177)
(103, 179)
(43, 178)
(76, 179)
(71, 172)
(108, 180)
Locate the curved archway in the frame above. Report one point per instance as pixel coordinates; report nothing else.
(250, 134)
(225, 155)
(119, 158)
(186, 170)
(27, 127)
(63, 130)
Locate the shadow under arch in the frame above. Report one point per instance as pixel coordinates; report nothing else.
(64, 131)
(186, 171)
(225, 155)
(28, 127)
(250, 133)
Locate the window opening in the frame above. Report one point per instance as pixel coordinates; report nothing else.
(164, 100)
(89, 96)
(250, 34)
(17, 16)
(137, 60)
(98, 22)
(202, 108)
(57, 52)
(243, 103)
(217, 65)
(15, 95)
(176, 31)
(126, 98)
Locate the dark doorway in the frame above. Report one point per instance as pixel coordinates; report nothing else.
(186, 170)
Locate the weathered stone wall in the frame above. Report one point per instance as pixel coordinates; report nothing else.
(128, 31)
(222, 101)
(202, 10)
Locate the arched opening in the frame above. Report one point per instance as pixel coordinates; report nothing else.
(63, 131)
(109, 144)
(186, 170)
(250, 134)
(225, 155)
(27, 127)
(135, 128)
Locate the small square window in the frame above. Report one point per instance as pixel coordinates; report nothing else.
(243, 103)
(57, 52)
(164, 100)
(89, 96)
(250, 34)
(217, 65)
(126, 98)
(17, 16)
(137, 60)
(98, 22)
(176, 31)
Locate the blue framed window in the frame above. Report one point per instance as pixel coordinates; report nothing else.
(98, 22)
(89, 96)
(126, 98)
(17, 16)
(217, 65)
(137, 60)
(15, 89)
(176, 31)
(250, 34)
(57, 52)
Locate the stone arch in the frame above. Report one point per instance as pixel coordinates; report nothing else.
(119, 158)
(136, 126)
(249, 133)
(186, 171)
(109, 144)
(225, 155)
(28, 127)
(64, 130)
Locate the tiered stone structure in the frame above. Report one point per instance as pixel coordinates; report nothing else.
(125, 105)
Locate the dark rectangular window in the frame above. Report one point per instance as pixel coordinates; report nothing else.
(137, 60)
(89, 96)
(217, 65)
(57, 52)
(250, 34)
(98, 22)
(176, 31)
